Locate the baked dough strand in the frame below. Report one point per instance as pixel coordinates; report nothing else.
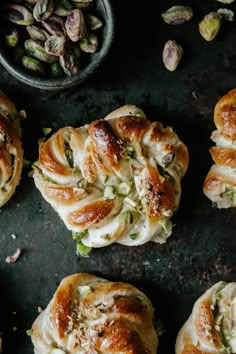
(88, 314)
(220, 182)
(11, 152)
(114, 180)
(211, 327)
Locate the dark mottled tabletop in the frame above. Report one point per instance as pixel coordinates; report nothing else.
(201, 250)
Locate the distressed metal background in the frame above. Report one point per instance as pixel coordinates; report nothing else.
(202, 248)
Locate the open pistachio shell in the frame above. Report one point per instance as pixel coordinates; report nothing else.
(33, 65)
(93, 22)
(54, 25)
(43, 9)
(55, 45)
(69, 62)
(89, 44)
(76, 28)
(37, 33)
(63, 7)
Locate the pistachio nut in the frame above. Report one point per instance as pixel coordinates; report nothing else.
(93, 22)
(226, 1)
(37, 33)
(83, 1)
(76, 28)
(69, 62)
(11, 36)
(226, 14)
(33, 65)
(172, 54)
(81, 5)
(54, 25)
(36, 50)
(55, 45)
(43, 9)
(177, 15)
(89, 44)
(62, 7)
(210, 26)
(19, 15)
(56, 70)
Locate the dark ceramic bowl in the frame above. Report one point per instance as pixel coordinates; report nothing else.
(103, 10)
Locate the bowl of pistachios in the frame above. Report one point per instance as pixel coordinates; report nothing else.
(54, 44)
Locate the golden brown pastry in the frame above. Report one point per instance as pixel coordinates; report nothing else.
(11, 152)
(90, 315)
(114, 180)
(211, 328)
(220, 183)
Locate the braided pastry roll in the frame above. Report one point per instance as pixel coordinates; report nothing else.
(11, 152)
(220, 183)
(88, 314)
(211, 328)
(114, 180)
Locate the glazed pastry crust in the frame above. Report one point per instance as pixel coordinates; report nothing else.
(113, 178)
(220, 183)
(11, 152)
(211, 327)
(92, 315)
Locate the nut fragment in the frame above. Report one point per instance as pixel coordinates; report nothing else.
(172, 54)
(14, 257)
(210, 26)
(177, 15)
(75, 25)
(226, 14)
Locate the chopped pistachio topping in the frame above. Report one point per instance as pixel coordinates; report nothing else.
(82, 250)
(29, 332)
(79, 235)
(133, 236)
(125, 218)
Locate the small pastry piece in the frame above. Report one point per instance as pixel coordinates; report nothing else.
(88, 314)
(220, 183)
(114, 180)
(11, 152)
(211, 328)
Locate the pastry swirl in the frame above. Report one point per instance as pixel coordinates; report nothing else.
(211, 328)
(116, 179)
(11, 152)
(220, 182)
(88, 314)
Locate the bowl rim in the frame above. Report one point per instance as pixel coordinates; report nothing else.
(68, 81)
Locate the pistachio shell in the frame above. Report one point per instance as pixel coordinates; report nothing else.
(36, 50)
(89, 44)
(43, 9)
(75, 25)
(33, 65)
(37, 33)
(55, 45)
(19, 14)
(93, 22)
(69, 62)
(11, 37)
(63, 7)
(54, 25)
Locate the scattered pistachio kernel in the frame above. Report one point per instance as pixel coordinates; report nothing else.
(172, 54)
(177, 15)
(210, 26)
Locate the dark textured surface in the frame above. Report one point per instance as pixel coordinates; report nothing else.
(202, 248)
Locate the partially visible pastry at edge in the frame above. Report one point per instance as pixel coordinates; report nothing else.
(211, 328)
(114, 180)
(220, 183)
(11, 152)
(88, 314)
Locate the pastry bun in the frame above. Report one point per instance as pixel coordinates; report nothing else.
(88, 314)
(211, 327)
(11, 152)
(114, 180)
(220, 183)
